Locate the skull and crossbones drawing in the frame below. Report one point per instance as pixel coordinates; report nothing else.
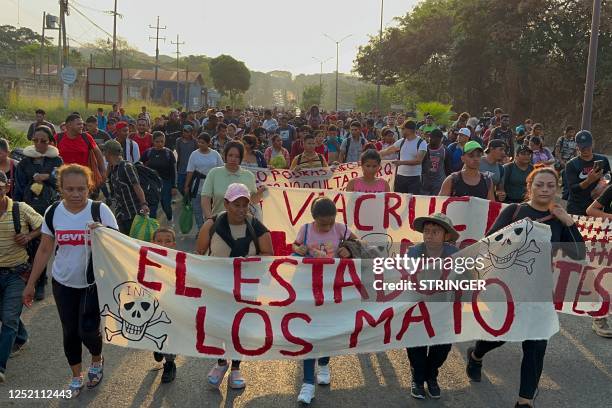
(137, 308)
(502, 252)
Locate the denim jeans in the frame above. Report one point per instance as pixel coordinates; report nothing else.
(11, 289)
(165, 201)
(198, 214)
(22, 334)
(309, 368)
(180, 181)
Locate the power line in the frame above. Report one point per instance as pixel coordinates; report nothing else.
(90, 20)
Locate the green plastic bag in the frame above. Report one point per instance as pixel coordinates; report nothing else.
(143, 228)
(186, 217)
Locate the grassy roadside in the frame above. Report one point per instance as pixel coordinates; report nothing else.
(24, 107)
(15, 138)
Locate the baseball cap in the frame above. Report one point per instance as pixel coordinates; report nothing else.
(220, 115)
(3, 179)
(523, 149)
(235, 191)
(188, 128)
(121, 125)
(494, 144)
(113, 147)
(584, 139)
(464, 132)
(471, 146)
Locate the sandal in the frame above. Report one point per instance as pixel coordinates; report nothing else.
(236, 381)
(215, 376)
(95, 374)
(74, 388)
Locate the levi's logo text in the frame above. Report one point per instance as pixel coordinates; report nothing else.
(71, 237)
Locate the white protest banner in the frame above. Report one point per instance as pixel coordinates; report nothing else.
(276, 308)
(387, 219)
(332, 178)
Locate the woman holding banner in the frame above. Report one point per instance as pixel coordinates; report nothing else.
(65, 227)
(233, 233)
(542, 186)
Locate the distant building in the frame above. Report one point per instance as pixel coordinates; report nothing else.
(140, 84)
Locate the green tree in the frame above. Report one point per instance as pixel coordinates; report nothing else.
(14, 40)
(526, 56)
(230, 76)
(311, 95)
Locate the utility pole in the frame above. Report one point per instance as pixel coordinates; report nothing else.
(115, 35)
(337, 61)
(321, 75)
(187, 87)
(64, 54)
(382, 6)
(589, 87)
(178, 44)
(156, 38)
(42, 45)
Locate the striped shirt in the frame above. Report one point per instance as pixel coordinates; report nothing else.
(122, 178)
(11, 253)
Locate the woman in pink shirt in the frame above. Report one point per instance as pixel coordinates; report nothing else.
(369, 183)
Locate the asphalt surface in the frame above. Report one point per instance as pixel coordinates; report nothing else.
(577, 373)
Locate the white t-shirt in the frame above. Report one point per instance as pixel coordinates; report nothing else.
(409, 152)
(203, 163)
(71, 234)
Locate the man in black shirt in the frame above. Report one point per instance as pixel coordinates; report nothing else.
(173, 130)
(98, 135)
(40, 120)
(583, 174)
(504, 132)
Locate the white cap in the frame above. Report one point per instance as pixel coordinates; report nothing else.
(465, 132)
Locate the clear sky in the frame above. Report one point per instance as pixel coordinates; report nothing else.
(265, 34)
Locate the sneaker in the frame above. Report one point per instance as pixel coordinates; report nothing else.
(236, 381)
(75, 387)
(95, 374)
(473, 368)
(216, 375)
(601, 327)
(517, 405)
(417, 390)
(307, 393)
(158, 356)
(433, 388)
(169, 373)
(17, 348)
(323, 376)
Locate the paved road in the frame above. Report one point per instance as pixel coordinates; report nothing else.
(577, 372)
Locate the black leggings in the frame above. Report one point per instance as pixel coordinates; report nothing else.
(79, 313)
(531, 365)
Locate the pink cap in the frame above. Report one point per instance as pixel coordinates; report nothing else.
(235, 191)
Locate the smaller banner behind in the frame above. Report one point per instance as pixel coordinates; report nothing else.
(332, 178)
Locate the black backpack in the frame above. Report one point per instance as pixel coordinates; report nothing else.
(218, 219)
(150, 182)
